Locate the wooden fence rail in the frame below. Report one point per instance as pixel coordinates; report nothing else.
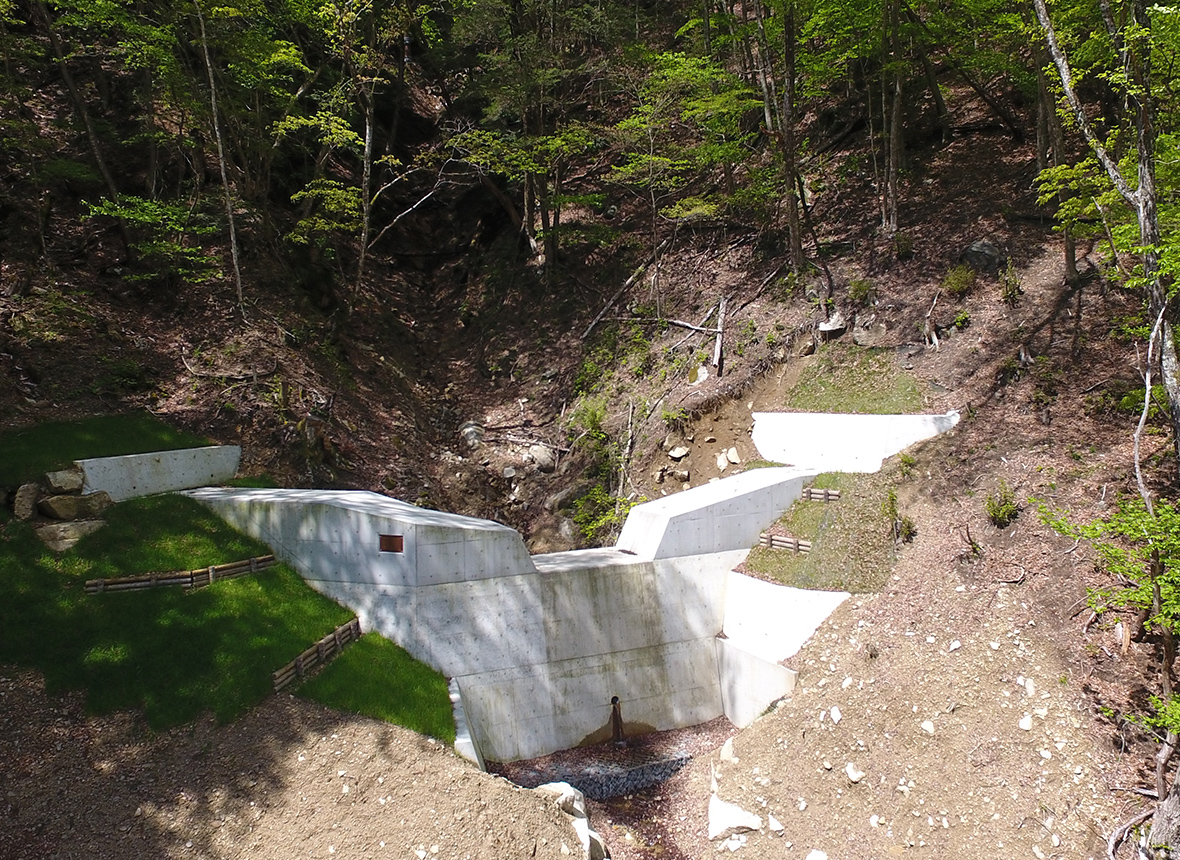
(187, 578)
(816, 495)
(318, 654)
(784, 542)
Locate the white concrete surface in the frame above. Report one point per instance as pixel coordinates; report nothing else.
(825, 442)
(135, 475)
(465, 744)
(717, 517)
(749, 683)
(773, 621)
(537, 646)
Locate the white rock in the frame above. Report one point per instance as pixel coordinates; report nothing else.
(954, 646)
(995, 646)
(1025, 723)
(679, 452)
(568, 799)
(836, 714)
(722, 461)
(773, 824)
(928, 727)
(802, 804)
(727, 753)
(732, 456)
(847, 683)
(726, 819)
(854, 775)
(1030, 687)
(816, 854)
(874, 820)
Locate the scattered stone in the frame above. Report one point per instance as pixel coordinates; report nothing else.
(75, 507)
(833, 327)
(982, 256)
(568, 799)
(722, 461)
(1030, 687)
(836, 714)
(657, 475)
(726, 819)
(854, 775)
(954, 646)
(679, 452)
(66, 480)
(773, 824)
(732, 456)
(24, 504)
(807, 349)
(1025, 723)
(509, 472)
(544, 457)
(727, 753)
(874, 820)
(928, 727)
(816, 854)
(698, 375)
(681, 475)
(61, 536)
(802, 804)
(709, 440)
(472, 434)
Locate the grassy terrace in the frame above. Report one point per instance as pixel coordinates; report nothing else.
(171, 653)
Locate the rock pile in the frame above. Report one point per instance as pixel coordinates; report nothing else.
(60, 513)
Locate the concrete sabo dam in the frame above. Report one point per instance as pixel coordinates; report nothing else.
(538, 645)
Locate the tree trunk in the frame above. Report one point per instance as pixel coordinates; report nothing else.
(790, 145)
(942, 115)
(893, 167)
(229, 205)
(366, 182)
(1056, 137)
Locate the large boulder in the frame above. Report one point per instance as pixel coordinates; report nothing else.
(61, 536)
(75, 507)
(983, 256)
(543, 456)
(65, 480)
(24, 504)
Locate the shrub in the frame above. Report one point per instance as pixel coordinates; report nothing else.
(959, 281)
(1010, 286)
(861, 291)
(903, 246)
(1001, 505)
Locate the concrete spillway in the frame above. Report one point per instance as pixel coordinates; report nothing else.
(537, 645)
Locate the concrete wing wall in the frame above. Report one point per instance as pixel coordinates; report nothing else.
(718, 517)
(773, 621)
(136, 475)
(842, 443)
(749, 683)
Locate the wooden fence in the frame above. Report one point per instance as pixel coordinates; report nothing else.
(814, 495)
(187, 578)
(318, 654)
(783, 542)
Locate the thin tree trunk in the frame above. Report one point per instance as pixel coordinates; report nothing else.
(229, 204)
(84, 115)
(790, 145)
(1057, 140)
(895, 123)
(366, 183)
(942, 115)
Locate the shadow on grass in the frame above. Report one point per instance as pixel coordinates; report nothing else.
(27, 454)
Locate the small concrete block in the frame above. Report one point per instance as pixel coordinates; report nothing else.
(65, 480)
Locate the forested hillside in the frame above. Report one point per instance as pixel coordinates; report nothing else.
(503, 258)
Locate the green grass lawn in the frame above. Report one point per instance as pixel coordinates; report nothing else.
(26, 454)
(842, 378)
(173, 653)
(176, 654)
(852, 545)
(377, 678)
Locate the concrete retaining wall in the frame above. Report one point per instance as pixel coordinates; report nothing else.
(827, 442)
(135, 475)
(537, 646)
(716, 517)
